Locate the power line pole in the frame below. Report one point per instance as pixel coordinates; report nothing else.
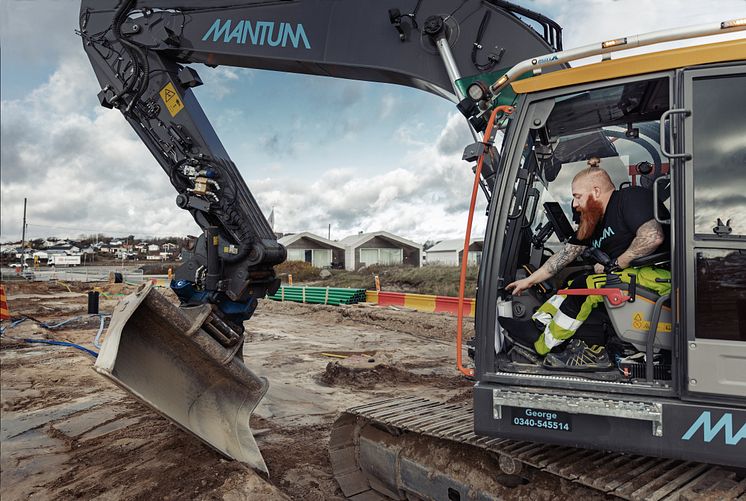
(23, 234)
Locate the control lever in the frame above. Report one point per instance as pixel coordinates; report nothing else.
(601, 258)
(610, 266)
(542, 234)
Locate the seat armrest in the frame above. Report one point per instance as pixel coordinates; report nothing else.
(659, 258)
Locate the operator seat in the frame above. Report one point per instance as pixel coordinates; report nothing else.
(633, 320)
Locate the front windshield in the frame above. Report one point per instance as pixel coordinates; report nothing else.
(618, 125)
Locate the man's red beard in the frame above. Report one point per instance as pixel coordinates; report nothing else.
(589, 218)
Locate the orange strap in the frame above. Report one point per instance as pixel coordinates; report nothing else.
(467, 240)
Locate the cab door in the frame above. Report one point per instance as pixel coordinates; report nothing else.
(711, 178)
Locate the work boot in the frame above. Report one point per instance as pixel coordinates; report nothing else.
(523, 333)
(520, 355)
(578, 356)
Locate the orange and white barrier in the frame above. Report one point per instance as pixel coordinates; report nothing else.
(4, 311)
(421, 302)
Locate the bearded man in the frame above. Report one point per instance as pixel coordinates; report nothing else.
(620, 223)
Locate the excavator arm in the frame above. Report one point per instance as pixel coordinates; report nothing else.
(143, 54)
(140, 52)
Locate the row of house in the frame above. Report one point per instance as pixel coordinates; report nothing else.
(151, 252)
(380, 247)
(353, 252)
(48, 251)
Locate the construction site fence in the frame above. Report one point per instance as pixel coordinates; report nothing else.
(421, 302)
(298, 294)
(86, 275)
(336, 296)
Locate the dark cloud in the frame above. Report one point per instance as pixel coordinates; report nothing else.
(277, 144)
(455, 136)
(16, 134)
(79, 168)
(25, 27)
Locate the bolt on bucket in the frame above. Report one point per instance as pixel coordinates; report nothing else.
(164, 356)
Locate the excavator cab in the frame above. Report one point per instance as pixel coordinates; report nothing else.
(575, 127)
(678, 345)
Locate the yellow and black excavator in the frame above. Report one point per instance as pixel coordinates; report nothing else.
(667, 419)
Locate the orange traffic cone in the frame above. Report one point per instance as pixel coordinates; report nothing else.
(4, 311)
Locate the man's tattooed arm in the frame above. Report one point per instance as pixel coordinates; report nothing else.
(554, 264)
(562, 258)
(648, 238)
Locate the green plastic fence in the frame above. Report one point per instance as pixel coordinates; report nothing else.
(319, 295)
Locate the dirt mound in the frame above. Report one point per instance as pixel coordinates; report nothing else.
(50, 287)
(429, 325)
(366, 378)
(298, 460)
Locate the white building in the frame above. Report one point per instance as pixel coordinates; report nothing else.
(41, 256)
(380, 247)
(314, 249)
(450, 252)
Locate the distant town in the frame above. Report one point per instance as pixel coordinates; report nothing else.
(53, 251)
(351, 252)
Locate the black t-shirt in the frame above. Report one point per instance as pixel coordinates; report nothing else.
(628, 209)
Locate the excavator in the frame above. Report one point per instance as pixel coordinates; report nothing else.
(669, 421)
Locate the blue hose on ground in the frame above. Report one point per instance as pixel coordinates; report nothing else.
(12, 324)
(102, 316)
(61, 343)
(58, 325)
(96, 340)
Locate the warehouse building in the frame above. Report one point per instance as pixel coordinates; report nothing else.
(380, 247)
(450, 252)
(314, 249)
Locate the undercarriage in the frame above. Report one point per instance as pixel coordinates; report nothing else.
(414, 448)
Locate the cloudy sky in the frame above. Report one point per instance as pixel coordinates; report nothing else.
(364, 156)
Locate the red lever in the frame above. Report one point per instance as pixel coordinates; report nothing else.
(614, 295)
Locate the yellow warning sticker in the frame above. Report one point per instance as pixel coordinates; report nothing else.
(639, 324)
(171, 99)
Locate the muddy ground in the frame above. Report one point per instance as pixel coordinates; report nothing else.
(68, 433)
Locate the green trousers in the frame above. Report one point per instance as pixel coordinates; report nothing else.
(562, 315)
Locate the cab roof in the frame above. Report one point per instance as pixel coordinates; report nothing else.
(732, 50)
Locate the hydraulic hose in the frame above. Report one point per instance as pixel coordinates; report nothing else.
(467, 240)
(60, 343)
(96, 340)
(60, 324)
(54, 342)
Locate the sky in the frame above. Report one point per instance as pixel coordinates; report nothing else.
(358, 156)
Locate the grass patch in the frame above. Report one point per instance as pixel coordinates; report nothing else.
(436, 280)
(301, 271)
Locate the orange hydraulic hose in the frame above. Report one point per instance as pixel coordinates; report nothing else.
(467, 240)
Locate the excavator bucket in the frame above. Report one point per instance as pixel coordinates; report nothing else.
(165, 356)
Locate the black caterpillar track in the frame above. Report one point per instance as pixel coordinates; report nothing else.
(624, 476)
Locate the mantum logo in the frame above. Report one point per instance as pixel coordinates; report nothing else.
(260, 33)
(546, 59)
(725, 423)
